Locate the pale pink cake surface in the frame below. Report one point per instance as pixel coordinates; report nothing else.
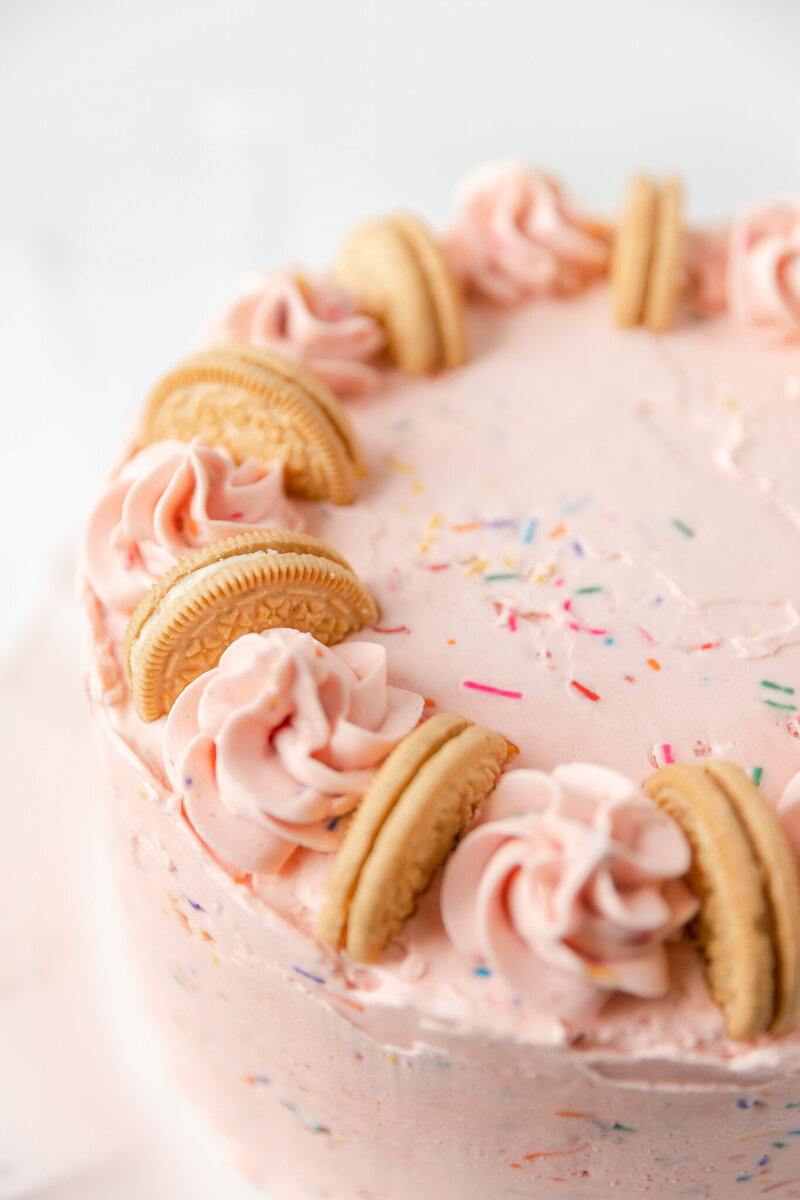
(602, 527)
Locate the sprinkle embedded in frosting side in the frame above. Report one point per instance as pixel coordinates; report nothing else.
(569, 887)
(764, 271)
(515, 234)
(315, 323)
(273, 746)
(169, 500)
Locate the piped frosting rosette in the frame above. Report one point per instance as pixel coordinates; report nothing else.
(169, 500)
(270, 748)
(763, 281)
(317, 323)
(569, 888)
(515, 234)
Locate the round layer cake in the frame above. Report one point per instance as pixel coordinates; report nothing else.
(584, 539)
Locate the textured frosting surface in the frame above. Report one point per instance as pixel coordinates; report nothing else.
(588, 539)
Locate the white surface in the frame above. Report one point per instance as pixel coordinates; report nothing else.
(151, 155)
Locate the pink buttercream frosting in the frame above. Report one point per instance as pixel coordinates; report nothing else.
(515, 234)
(789, 812)
(316, 323)
(570, 887)
(705, 262)
(169, 500)
(764, 270)
(276, 743)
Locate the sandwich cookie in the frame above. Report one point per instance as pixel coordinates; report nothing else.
(747, 879)
(404, 828)
(267, 579)
(403, 279)
(647, 266)
(256, 403)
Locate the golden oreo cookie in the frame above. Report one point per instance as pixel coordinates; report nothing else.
(403, 279)
(254, 402)
(745, 874)
(267, 579)
(666, 265)
(647, 266)
(633, 247)
(406, 825)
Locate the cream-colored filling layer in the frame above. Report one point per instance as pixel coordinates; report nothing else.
(172, 602)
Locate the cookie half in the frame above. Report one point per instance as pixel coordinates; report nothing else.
(647, 267)
(406, 825)
(666, 276)
(267, 579)
(633, 248)
(254, 402)
(400, 274)
(745, 874)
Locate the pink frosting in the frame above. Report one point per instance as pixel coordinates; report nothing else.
(314, 323)
(275, 744)
(789, 812)
(516, 235)
(166, 502)
(764, 270)
(569, 888)
(705, 257)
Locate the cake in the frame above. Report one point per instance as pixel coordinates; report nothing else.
(444, 656)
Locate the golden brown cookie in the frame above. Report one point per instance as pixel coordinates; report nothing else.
(406, 825)
(254, 402)
(745, 875)
(666, 276)
(780, 880)
(647, 267)
(403, 279)
(633, 247)
(267, 579)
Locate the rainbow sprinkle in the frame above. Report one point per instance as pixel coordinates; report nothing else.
(777, 687)
(529, 530)
(308, 975)
(584, 691)
(493, 691)
(683, 528)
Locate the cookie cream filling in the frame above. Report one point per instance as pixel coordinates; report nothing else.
(169, 605)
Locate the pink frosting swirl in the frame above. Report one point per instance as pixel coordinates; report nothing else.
(516, 235)
(166, 502)
(271, 747)
(317, 324)
(569, 887)
(764, 269)
(705, 260)
(789, 812)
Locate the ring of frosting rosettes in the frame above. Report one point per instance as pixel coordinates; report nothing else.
(568, 884)
(280, 734)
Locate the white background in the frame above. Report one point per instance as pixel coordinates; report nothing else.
(152, 154)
